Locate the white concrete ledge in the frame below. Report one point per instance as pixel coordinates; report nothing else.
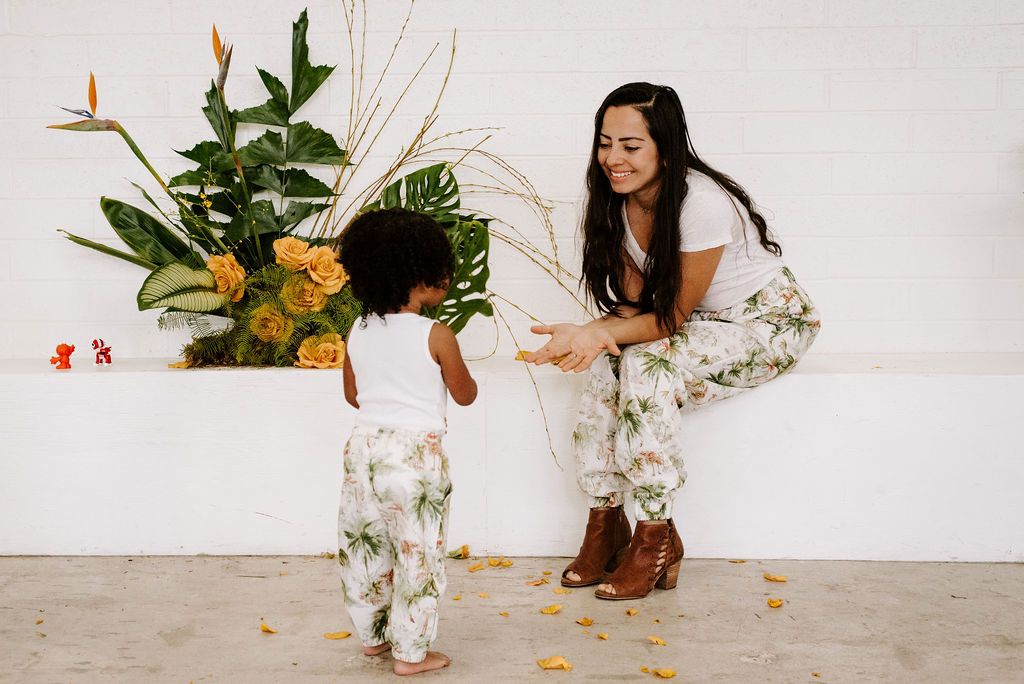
(856, 457)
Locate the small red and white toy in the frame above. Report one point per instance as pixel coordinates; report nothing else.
(102, 352)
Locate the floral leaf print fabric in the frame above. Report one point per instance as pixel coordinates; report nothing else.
(627, 434)
(392, 527)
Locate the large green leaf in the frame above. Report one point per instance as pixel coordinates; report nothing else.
(467, 294)
(147, 237)
(271, 112)
(297, 183)
(297, 211)
(177, 286)
(306, 79)
(203, 153)
(266, 149)
(219, 118)
(106, 249)
(309, 145)
(432, 190)
(274, 86)
(258, 220)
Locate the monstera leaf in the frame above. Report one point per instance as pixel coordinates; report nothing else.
(432, 190)
(180, 287)
(467, 294)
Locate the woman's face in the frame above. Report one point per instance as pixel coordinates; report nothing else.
(627, 153)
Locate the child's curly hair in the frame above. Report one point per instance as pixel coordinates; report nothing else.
(388, 252)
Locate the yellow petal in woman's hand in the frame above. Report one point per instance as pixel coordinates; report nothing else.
(585, 621)
(555, 663)
(775, 603)
(267, 629)
(474, 568)
(552, 609)
(664, 673)
(775, 578)
(656, 641)
(337, 635)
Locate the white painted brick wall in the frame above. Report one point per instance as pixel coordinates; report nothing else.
(884, 139)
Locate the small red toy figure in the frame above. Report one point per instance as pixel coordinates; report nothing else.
(102, 352)
(63, 357)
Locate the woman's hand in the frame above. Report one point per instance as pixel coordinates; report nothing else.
(573, 347)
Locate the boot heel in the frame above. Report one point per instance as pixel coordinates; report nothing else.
(669, 578)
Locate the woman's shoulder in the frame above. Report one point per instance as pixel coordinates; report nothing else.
(706, 199)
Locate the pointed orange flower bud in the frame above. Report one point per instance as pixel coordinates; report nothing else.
(218, 51)
(92, 93)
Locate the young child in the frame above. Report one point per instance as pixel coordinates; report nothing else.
(399, 369)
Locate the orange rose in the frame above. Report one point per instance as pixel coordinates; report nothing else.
(269, 324)
(229, 275)
(292, 253)
(300, 294)
(325, 270)
(325, 351)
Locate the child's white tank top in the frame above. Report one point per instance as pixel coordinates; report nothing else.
(398, 383)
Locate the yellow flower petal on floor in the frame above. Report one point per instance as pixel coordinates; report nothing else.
(631, 612)
(562, 590)
(267, 629)
(644, 669)
(603, 636)
(664, 673)
(484, 594)
(547, 572)
(656, 640)
(537, 582)
(337, 635)
(474, 568)
(179, 364)
(816, 674)
(775, 578)
(586, 622)
(657, 621)
(552, 609)
(40, 621)
(775, 603)
(457, 597)
(494, 562)
(737, 561)
(507, 564)
(503, 613)
(555, 663)
(461, 552)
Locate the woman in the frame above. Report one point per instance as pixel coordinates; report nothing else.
(694, 293)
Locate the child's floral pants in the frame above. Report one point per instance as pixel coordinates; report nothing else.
(627, 435)
(392, 525)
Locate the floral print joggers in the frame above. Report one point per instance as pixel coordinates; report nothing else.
(392, 527)
(628, 432)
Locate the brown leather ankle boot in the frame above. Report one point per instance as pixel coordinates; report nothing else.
(606, 539)
(653, 559)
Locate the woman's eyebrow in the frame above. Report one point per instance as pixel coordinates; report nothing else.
(624, 139)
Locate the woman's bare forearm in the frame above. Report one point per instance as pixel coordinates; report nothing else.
(630, 330)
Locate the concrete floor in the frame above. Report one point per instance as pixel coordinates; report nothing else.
(197, 618)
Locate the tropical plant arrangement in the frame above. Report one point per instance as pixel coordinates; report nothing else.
(245, 255)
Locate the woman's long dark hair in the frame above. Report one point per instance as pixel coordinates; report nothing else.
(604, 229)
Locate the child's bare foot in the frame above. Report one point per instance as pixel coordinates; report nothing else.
(434, 661)
(376, 650)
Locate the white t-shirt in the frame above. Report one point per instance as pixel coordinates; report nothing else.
(711, 217)
(398, 382)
